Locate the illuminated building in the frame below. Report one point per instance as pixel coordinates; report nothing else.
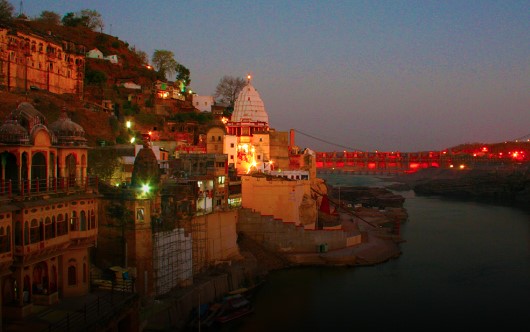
(247, 142)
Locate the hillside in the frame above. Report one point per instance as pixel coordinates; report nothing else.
(131, 65)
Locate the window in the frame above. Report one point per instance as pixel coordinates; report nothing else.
(62, 227)
(26, 233)
(72, 275)
(140, 214)
(92, 219)
(83, 221)
(48, 228)
(34, 231)
(3, 241)
(18, 233)
(231, 145)
(73, 222)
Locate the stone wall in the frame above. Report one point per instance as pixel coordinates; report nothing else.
(278, 236)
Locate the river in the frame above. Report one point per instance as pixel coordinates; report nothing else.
(464, 265)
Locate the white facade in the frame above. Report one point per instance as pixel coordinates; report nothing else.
(230, 148)
(203, 103)
(112, 58)
(94, 54)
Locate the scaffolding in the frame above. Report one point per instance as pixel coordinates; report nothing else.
(179, 237)
(172, 260)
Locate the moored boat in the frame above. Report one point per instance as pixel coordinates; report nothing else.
(233, 307)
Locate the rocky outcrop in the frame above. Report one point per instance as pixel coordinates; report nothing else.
(367, 196)
(506, 186)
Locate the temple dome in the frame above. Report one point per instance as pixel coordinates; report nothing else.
(249, 107)
(145, 169)
(27, 116)
(67, 131)
(11, 132)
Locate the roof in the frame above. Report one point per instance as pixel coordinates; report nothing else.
(249, 107)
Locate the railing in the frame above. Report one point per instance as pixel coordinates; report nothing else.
(32, 187)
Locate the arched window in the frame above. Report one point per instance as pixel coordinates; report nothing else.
(34, 231)
(54, 227)
(62, 226)
(72, 273)
(26, 233)
(48, 228)
(73, 222)
(83, 221)
(92, 219)
(3, 240)
(8, 234)
(18, 233)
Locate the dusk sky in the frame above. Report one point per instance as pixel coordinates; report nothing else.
(364, 75)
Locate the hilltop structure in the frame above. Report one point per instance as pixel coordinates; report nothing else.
(32, 61)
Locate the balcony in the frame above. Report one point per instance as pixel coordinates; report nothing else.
(43, 187)
(36, 247)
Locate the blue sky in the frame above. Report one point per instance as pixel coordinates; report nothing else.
(365, 75)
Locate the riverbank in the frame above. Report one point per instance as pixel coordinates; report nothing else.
(505, 187)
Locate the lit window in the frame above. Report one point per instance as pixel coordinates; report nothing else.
(140, 214)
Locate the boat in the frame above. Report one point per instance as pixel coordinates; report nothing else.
(234, 306)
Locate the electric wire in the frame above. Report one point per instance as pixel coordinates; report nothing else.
(327, 142)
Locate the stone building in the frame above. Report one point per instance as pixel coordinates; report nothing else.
(48, 211)
(166, 229)
(44, 62)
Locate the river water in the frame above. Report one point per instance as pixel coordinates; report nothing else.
(464, 265)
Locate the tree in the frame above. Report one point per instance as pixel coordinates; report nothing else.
(228, 89)
(49, 17)
(73, 20)
(6, 11)
(86, 18)
(95, 77)
(142, 56)
(164, 62)
(104, 163)
(183, 74)
(93, 19)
